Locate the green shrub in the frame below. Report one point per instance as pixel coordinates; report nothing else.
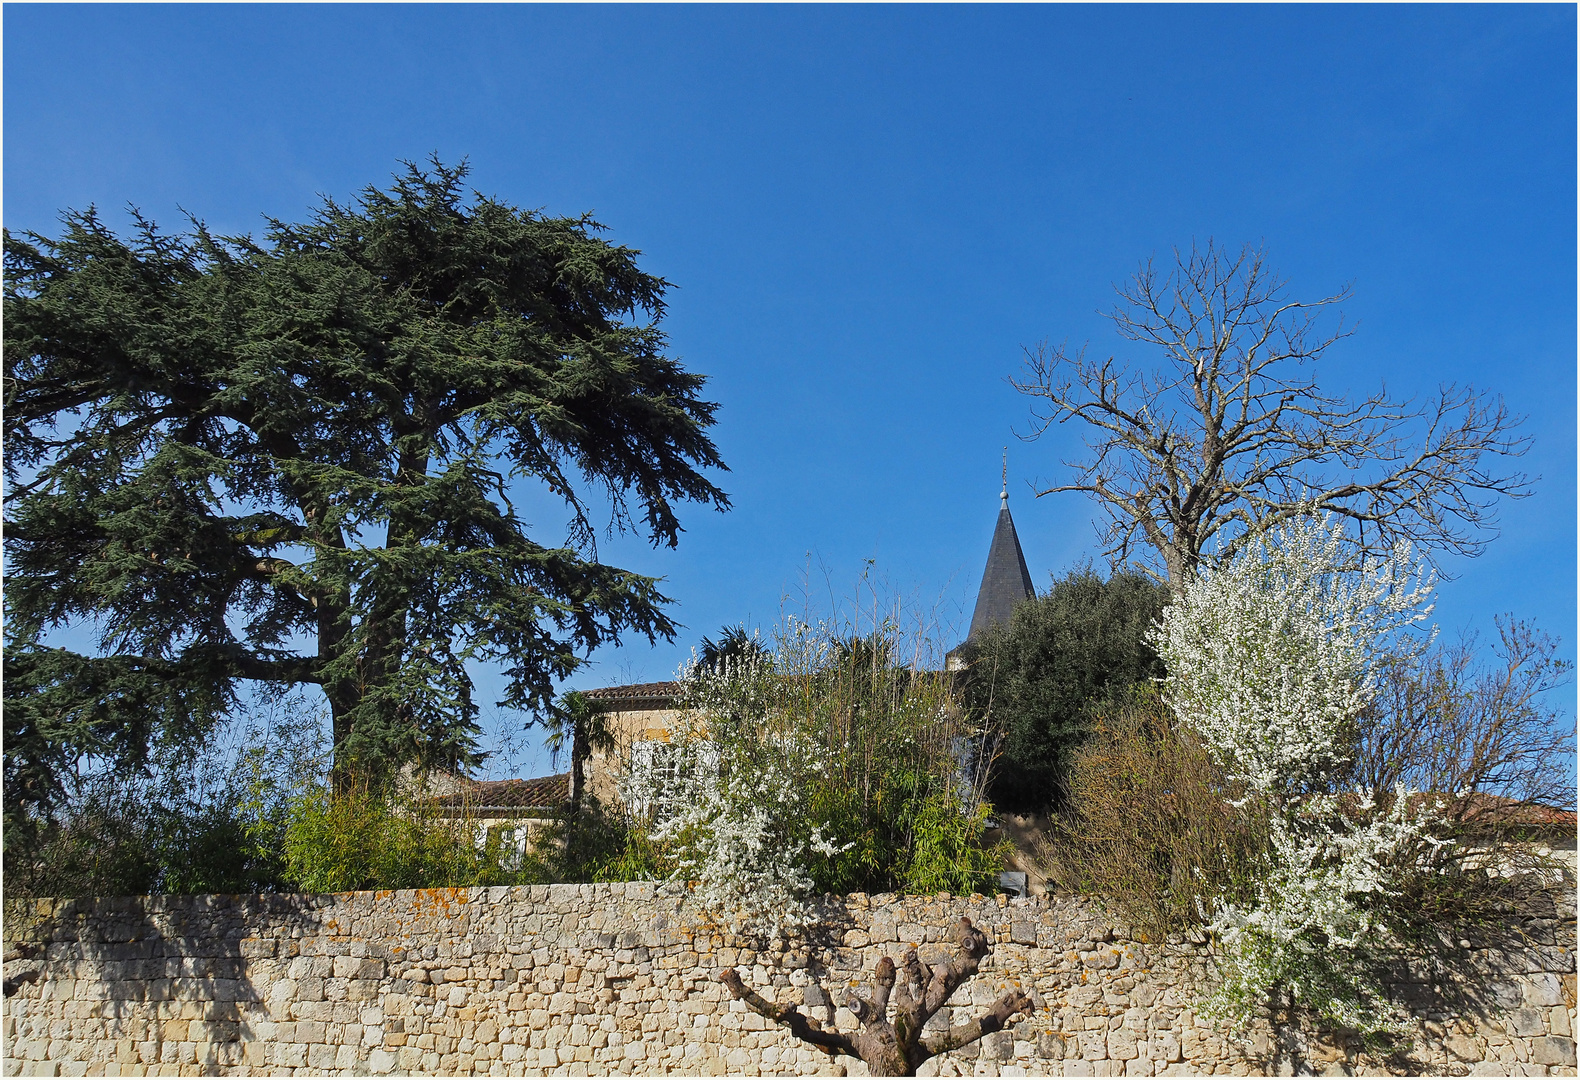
(1039, 678)
(374, 837)
(947, 853)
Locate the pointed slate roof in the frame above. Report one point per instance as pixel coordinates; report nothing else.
(1005, 581)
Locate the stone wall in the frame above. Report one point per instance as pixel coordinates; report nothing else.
(620, 979)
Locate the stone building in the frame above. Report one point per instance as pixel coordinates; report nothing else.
(641, 716)
(510, 812)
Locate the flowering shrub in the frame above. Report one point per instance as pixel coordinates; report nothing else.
(819, 765)
(1271, 657)
(724, 797)
(1314, 919)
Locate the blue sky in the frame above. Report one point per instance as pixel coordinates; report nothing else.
(868, 211)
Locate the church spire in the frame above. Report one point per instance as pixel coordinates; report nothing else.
(1005, 579)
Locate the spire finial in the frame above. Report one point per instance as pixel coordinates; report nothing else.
(1003, 495)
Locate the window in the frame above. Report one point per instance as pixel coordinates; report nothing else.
(664, 775)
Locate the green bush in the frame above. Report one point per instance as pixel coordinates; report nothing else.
(1039, 678)
(173, 826)
(947, 853)
(365, 836)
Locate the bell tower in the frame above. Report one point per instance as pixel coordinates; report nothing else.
(1005, 579)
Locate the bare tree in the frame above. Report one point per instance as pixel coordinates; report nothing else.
(1230, 435)
(898, 1047)
(1475, 730)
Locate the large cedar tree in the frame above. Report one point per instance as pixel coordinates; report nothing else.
(293, 461)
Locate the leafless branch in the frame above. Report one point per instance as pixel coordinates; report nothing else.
(1479, 733)
(803, 1027)
(1230, 436)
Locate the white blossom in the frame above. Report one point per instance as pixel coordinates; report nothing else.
(1314, 914)
(723, 798)
(1270, 656)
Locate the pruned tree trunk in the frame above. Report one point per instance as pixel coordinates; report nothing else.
(898, 1046)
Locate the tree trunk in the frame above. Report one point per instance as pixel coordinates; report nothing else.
(898, 1047)
(581, 749)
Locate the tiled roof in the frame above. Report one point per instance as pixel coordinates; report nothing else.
(540, 793)
(1483, 808)
(647, 691)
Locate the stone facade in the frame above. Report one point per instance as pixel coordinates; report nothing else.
(601, 979)
(633, 715)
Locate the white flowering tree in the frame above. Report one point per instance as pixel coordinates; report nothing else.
(722, 796)
(1271, 657)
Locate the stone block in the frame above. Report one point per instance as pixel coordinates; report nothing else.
(1527, 1022)
(1094, 1045)
(258, 948)
(883, 928)
(999, 1046)
(1550, 958)
(1543, 990)
(1463, 1047)
(321, 1057)
(1122, 1044)
(215, 1030)
(1553, 1050)
(316, 967)
(1101, 959)
(1506, 993)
